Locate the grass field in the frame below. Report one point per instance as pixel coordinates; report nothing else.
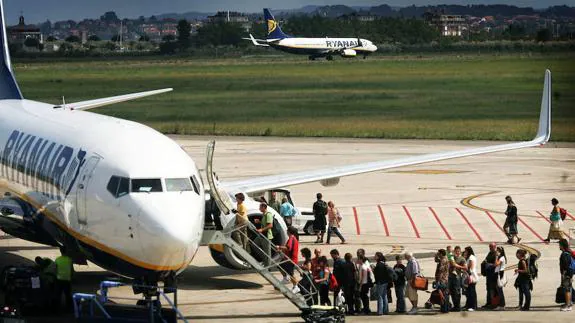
(443, 97)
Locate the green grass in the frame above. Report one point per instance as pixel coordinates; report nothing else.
(435, 97)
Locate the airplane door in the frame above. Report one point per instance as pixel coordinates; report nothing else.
(221, 197)
(83, 181)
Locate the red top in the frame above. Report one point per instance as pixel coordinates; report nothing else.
(293, 249)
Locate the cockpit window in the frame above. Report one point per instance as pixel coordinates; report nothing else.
(118, 186)
(196, 184)
(178, 184)
(146, 185)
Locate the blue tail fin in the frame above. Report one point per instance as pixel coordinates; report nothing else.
(8, 87)
(274, 30)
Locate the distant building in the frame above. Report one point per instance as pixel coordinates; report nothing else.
(448, 25)
(231, 17)
(19, 33)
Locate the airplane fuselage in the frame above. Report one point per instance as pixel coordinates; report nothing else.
(324, 46)
(127, 197)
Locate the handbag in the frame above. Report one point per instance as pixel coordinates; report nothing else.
(501, 281)
(419, 283)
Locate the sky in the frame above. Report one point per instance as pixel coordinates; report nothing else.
(40, 10)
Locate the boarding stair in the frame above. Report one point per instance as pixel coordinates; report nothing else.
(269, 264)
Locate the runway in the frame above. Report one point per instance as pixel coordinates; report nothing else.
(419, 208)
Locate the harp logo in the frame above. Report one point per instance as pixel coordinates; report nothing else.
(271, 26)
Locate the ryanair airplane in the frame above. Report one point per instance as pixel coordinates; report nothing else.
(314, 47)
(126, 197)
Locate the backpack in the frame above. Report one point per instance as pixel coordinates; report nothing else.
(562, 213)
(333, 284)
(392, 275)
(532, 266)
(572, 264)
(321, 207)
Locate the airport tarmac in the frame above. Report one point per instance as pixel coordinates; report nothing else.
(418, 208)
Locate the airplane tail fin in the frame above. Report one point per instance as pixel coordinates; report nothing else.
(544, 131)
(274, 30)
(9, 89)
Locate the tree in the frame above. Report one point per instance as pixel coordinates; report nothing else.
(169, 38)
(116, 38)
(144, 37)
(51, 38)
(544, 35)
(32, 42)
(184, 30)
(94, 38)
(72, 39)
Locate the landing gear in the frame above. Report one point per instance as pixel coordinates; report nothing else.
(364, 56)
(329, 58)
(311, 58)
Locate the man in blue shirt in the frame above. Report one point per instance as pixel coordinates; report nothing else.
(287, 211)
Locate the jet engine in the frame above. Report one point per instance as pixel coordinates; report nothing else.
(348, 53)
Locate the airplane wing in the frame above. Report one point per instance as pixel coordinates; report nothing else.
(332, 175)
(90, 104)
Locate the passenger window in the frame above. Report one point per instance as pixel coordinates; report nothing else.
(113, 185)
(146, 185)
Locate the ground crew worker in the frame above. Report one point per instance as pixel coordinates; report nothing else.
(64, 269)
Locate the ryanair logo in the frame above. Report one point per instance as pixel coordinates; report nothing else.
(272, 25)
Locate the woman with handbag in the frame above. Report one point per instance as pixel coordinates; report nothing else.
(501, 277)
(523, 282)
(365, 282)
(555, 231)
(471, 280)
(334, 222)
(322, 281)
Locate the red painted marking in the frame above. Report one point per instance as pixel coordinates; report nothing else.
(544, 217)
(411, 220)
(439, 222)
(383, 220)
(530, 229)
(469, 224)
(495, 222)
(356, 221)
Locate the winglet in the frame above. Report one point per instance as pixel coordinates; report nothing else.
(544, 131)
(8, 86)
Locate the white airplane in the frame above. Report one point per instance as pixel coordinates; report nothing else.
(126, 197)
(314, 47)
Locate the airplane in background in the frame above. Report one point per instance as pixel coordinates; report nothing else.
(128, 198)
(313, 47)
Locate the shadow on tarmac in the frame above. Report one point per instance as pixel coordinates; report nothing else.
(213, 277)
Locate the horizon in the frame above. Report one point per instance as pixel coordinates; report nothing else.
(69, 9)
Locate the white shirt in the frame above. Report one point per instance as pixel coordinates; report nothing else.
(501, 266)
(365, 271)
(473, 269)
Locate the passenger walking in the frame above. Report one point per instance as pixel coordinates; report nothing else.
(348, 283)
(382, 281)
(412, 270)
(287, 211)
(241, 233)
(274, 203)
(501, 278)
(555, 231)
(523, 281)
(472, 278)
(441, 279)
(338, 272)
(456, 267)
(322, 281)
(334, 220)
(64, 272)
(365, 283)
(305, 283)
(291, 252)
(566, 268)
(510, 226)
(267, 223)
(488, 270)
(399, 269)
(319, 213)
